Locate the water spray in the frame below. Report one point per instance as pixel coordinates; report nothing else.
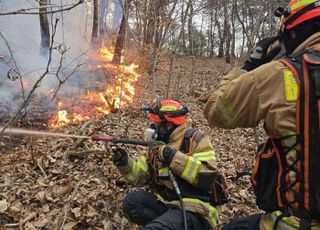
(95, 137)
(26, 132)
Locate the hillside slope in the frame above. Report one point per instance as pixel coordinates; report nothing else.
(42, 188)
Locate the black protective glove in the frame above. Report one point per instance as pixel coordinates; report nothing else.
(166, 154)
(261, 53)
(119, 157)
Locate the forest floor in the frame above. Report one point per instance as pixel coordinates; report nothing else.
(42, 188)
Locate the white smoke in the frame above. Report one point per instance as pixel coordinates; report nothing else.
(22, 34)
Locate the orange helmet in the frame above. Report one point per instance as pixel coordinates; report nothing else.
(297, 12)
(167, 110)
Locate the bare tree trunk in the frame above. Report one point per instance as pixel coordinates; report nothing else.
(202, 43)
(44, 28)
(95, 25)
(211, 35)
(150, 25)
(102, 21)
(159, 4)
(121, 35)
(233, 35)
(183, 37)
(226, 32)
(190, 31)
(220, 33)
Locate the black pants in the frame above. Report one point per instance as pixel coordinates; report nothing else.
(244, 223)
(144, 209)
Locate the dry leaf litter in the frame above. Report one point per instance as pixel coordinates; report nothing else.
(62, 183)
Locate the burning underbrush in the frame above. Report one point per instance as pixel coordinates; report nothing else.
(113, 93)
(102, 88)
(72, 184)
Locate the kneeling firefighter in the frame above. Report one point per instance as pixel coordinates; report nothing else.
(186, 155)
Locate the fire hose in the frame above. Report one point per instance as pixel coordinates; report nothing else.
(150, 144)
(105, 138)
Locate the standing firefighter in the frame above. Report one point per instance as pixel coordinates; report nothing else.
(285, 93)
(185, 153)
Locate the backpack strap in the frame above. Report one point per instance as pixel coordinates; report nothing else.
(306, 66)
(190, 136)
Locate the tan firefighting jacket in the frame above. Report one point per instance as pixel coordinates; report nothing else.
(202, 160)
(267, 93)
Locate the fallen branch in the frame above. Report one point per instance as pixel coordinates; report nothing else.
(68, 203)
(41, 169)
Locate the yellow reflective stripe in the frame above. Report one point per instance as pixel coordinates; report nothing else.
(213, 213)
(290, 141)
(226, 110)
(168, 108)
(205, 156)
(190, 171)
(142, 163)
(301, 4)
(163, 171)
(291, 86)
(133, 174)
(285, 221)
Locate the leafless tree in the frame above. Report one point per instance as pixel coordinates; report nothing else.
(95, 24)
(44, 27)
(121, 35)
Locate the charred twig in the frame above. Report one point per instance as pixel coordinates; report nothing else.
(41, 169)
(79, 142)
(112, 105)
(75, 190)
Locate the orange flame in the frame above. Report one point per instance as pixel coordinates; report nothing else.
(119, 92)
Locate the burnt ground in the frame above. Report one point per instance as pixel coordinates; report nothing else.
(63, 183)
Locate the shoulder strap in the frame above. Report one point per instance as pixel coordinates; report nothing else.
(190, 136)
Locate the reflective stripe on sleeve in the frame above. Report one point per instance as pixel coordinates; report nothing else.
(205, 156)
(190, 171)
(143, 165)
(133, 174)
(163, 172)
(226, 110)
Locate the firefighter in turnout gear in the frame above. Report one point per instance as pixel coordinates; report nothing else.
(189, 156)
(285, 94)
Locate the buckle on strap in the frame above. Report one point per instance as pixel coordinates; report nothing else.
(278, 219)
(304, 222)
